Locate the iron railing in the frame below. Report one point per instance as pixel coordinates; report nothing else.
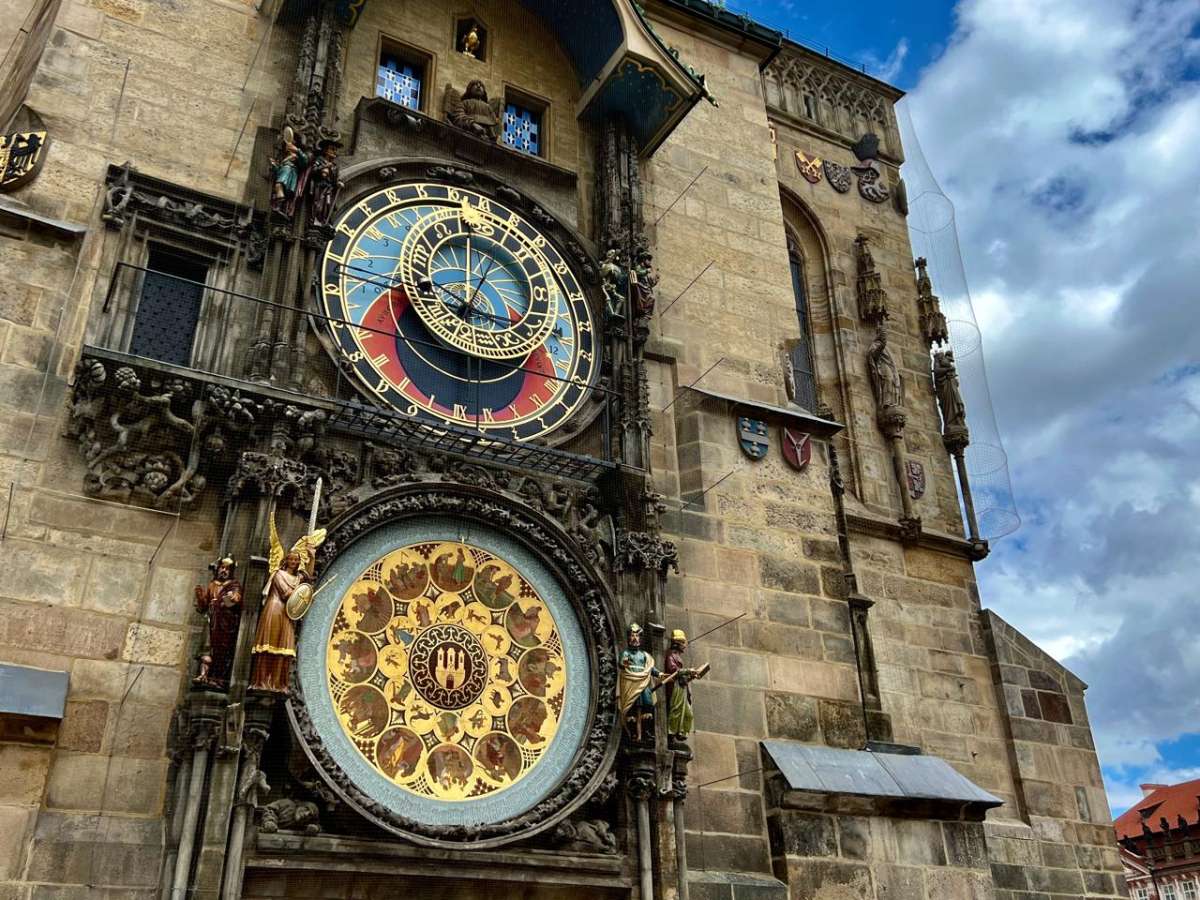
(222, 351)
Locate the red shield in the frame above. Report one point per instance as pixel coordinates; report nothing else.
(797, 448)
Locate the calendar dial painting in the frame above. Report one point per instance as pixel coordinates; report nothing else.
(448, 305)
(446, 671)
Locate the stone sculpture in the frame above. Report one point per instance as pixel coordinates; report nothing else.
(323, 183)
(635, 694)
(885, 376)
(220, 601)
(949, 395)
(678, 681)
(471, 111)
(291, 580)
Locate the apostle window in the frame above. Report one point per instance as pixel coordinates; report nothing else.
(403, 75)
(524, 124)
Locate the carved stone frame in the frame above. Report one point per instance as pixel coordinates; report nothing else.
(592, 603)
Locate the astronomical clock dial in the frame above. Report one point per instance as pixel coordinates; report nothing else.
(448, 678)
(463, 312)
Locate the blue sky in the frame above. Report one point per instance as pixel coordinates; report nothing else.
(1065, 132)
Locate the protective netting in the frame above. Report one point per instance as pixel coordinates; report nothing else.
(934, 235)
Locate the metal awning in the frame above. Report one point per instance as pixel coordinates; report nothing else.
(25, 691)
(821, 777)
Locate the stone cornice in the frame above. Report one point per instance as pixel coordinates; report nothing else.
(930, 540)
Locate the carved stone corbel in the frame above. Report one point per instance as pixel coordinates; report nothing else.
(933, 324)
(872, 298)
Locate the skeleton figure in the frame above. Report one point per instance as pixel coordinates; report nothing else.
(615, 281)
(472, 112)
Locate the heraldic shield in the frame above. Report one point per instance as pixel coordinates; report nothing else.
(752, 435)
(797, 448)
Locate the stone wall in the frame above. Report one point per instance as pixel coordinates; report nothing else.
(880, 858)
(1067, 846)
(91, 591)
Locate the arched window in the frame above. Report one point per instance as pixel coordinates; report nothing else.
(804, 380)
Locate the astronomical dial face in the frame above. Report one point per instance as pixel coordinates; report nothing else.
(450, 306)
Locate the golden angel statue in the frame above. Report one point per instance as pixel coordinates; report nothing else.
(287, 594)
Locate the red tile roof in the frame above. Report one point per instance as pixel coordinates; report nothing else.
(1166, 802)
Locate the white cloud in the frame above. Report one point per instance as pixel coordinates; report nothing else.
(1066, 134)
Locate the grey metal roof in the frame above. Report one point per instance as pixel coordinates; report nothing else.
(863, 773)
(25, 691)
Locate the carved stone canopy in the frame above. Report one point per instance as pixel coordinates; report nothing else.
(593, 605)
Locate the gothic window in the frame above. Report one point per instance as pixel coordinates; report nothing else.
(802, 354)
(523, 124)
(168, 309)
(402, 76)
(1168, 892)
(1140, 893)
(1189, 890)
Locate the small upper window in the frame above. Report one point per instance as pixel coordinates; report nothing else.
(402, 77)
(523, 125)
(471, 38)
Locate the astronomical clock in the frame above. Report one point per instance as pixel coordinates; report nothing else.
(449, 688)
(464, 312)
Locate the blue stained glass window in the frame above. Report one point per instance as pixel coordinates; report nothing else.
(399, 82)
(521, 129)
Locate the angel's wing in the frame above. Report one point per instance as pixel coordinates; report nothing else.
(452, 99)
(307, 548)
(275, 560)
(497, 106)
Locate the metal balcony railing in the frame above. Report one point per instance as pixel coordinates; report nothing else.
(145, 310)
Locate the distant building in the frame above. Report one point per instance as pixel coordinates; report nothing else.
(1160, 842)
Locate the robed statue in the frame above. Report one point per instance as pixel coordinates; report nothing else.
(287, 596)
(286, 173)
(949, 396)
(471, 110)
(220, 602)
(643, 279)
(885, 376)
(678, 682)
(635, 693)
(323, 182)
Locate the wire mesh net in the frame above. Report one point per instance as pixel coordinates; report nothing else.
(934, 235)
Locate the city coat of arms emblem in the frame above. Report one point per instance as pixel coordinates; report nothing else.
(21, 156)
(797, 448)
(752, 435)
(916, 479)
(838, 175)
(809, 166)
